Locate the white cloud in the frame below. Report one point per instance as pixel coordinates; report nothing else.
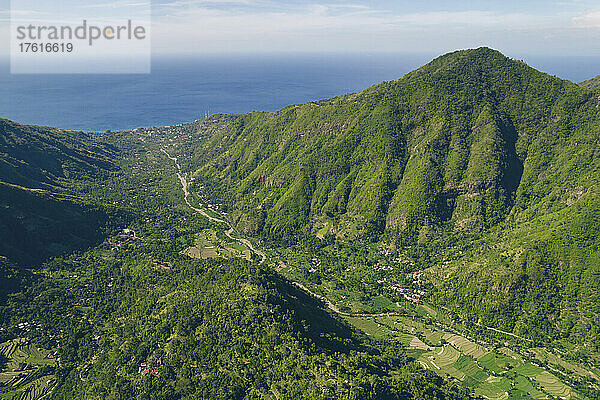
(339, 27)
(470, 18)
(117, 4)
(198, 26)
(590, 20)
(198, 3)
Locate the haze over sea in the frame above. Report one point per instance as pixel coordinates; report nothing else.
(182, 89)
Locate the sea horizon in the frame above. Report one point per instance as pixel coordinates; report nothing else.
(182, 89)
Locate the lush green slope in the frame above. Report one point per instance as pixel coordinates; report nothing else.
(460, 140)
(475, 168)
(37, 224)
(472, 145)
(41, 218)
(35, 157)
(236, 332)
(135, 317)
(145, 321)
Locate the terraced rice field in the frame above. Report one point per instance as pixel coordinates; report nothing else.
(23, 376)
(37, 388)
(495, 373)
(545, 356)
(497, 363)
(418, 344)
(443, 359)
(466, 346)
(474, 374)
(406, 339)
(555, 387)
(433, 337)
(526, 389)
(494, 388)
(510, 353)
(529, 370)
(371, 327)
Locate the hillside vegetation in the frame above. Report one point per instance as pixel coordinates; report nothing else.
(435, 237)
(591, 83)
(42, 217)
(468, 139)
(38, 157)
(473, 147)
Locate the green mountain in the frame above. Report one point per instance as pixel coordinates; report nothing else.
(461, 140)
(429, 238)
(473, 147)
(136, 317)
(38, 157)
(224, 331)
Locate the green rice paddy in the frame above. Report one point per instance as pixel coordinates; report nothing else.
(490, 371)
(27, 371)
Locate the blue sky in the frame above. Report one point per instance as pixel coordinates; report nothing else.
(562, 27)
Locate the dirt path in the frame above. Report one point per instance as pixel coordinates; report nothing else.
(186, 193)
(246, 242)
(330, 305)
(336, 310)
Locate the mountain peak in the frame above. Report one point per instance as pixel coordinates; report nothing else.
(464, 61)
(476, 54)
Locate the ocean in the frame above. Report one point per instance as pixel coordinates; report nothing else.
(181, 89)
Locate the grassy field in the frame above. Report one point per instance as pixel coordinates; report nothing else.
(466, 346)
(371, 327)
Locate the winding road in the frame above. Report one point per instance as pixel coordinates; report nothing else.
(247, 243)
